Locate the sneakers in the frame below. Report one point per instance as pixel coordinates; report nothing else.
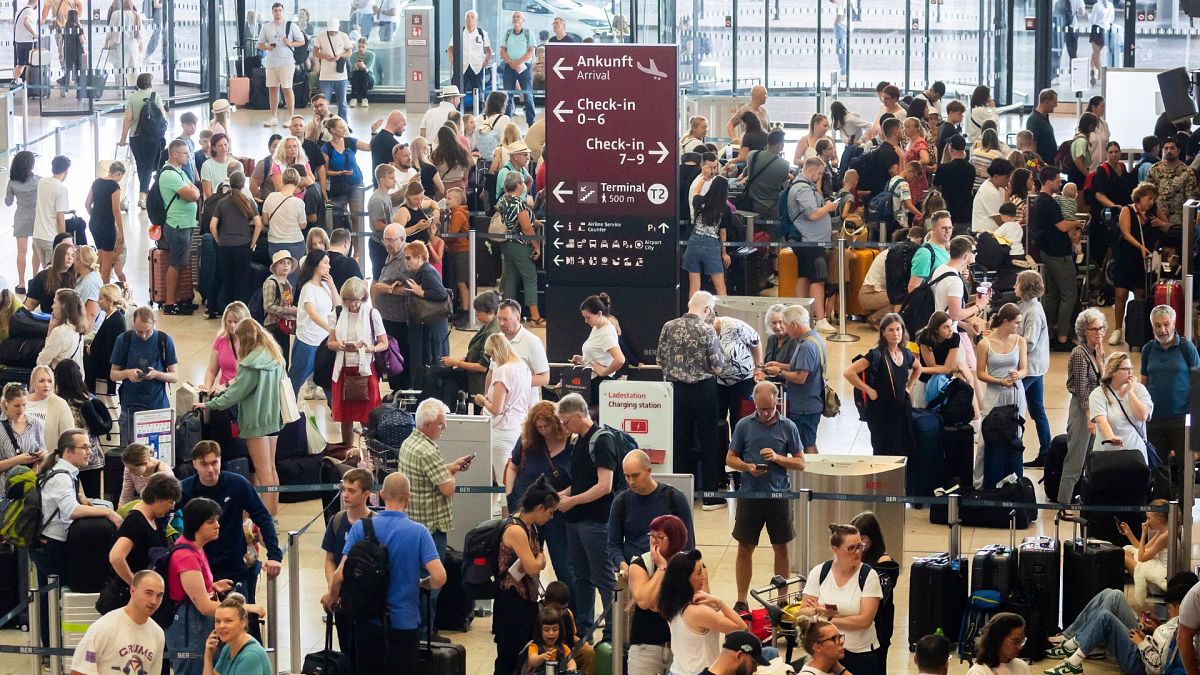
(713, 505)
(823, 326)
(1062, 650)
(1038, 462)
(142, 201)
(364, 103)
(1064, 668)
(353, 103)
(273, 122)
(1116, 338)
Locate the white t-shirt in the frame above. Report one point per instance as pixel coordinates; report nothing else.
(116, 644)
(877, 273)
(1014, 667)
(516, 380)
(596, 346)
(848, 598)
(1100, 404)
(946, 289)
(282, 54)
(1015, 234)
(332, 44)
(20, 32)
(987, 204)
(403, 178)
(284, 217)
(473, 45)
(533, 353)
(307, 330)
(385, 5)
(434, 118)
(52, 197)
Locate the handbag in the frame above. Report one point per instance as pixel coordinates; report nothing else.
(114, 595)
(285, 325)
(355, 387)
(341, 62)
(497, 231)
(423, 312)
(289, 411)
(831, 403)
(389, 362)
(1161, 484)
(96, 417)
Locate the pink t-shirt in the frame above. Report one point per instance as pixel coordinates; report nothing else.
(277, 170)
(186, 560)
(226, 359)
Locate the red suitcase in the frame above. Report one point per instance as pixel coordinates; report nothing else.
(158, 278)
(1170, 292)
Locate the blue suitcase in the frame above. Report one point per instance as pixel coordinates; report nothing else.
(926, 470)
(210, 277)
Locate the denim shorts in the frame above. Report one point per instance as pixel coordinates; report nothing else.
(703, 256)
(806, 424)
(178, 242)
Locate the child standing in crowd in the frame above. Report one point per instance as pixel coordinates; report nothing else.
(556, 597)
(279, 302)
(549, 644)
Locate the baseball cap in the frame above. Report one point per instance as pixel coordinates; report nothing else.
(742, 641)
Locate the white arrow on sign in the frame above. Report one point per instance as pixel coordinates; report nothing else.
(559, 112)
(559, 67)
(662, 151)
(664, 227)
(559, 192)
(558, 243)
(557, 226)
(557, 260)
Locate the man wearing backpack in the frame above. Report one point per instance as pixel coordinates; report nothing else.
(144, 362)
(811, 218)
(356, 488)
(632, 510)
(934, 253)
(144, 129)
(392, 647)
(280, 40)
(476, 54)
(181, 199)
(586, 506)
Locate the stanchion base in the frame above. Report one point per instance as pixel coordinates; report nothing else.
(842, 337)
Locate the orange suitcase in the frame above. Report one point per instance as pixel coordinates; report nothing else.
(858, 261)
(239, 90)
(158, 277)
(787, 273)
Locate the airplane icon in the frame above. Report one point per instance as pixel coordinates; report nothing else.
(652, 70)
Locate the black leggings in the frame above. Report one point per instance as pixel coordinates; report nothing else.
(146, 152)
(234, 274)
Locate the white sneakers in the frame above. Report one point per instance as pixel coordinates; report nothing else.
(1116, 338)
(273, 122)
(353, 103)
(823, 326)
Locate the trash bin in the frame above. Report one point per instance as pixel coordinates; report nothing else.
(846, 475)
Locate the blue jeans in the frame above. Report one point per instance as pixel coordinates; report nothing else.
(188, 633)
(589, 559)
(1034, 390)
(50, 560)
(302, 364)
(1107, 624)
(839, 34)
(523, 81)
(554, 535)
(365, 23)
(297, 250)
(335, 91)
(429, 615)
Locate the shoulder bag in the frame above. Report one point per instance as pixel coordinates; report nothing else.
(389, 362)
(743, 202)
(831, 403)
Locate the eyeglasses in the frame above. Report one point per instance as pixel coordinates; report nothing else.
(1095, 329)
(856, 548)
(1126, 368)
(1020, 642)
(838, 639)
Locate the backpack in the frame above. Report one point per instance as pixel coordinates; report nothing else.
(955, 402)
(301, 53)
(487, 138)
(881, 210)
(787, 229)
(23, 518)
(366, 574)
(151, 121)
(96, 417)
(919, 305)
(981, 607)
(898, 270)
(1089, 183)
(481, 554)
(863, 572)
(13, 478)
(1066, 163)
(625, 445)
(156, 208)
(160, 561)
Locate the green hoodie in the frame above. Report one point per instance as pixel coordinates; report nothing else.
(255, 389)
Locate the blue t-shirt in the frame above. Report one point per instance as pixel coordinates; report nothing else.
(335, 535)
(920, 260)
(251, 660)
(131, 351)
(750, 436)
(410, 547)
(1167, 370)
(345, 160)
(807, 398)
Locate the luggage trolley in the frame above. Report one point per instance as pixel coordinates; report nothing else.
(781, 601)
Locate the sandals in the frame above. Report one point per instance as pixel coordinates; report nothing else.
(537, 323)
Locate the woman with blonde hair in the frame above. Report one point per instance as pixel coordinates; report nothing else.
(9, 304)
(697, 130)
(1120, 407)
(45, 405)
(510, 135)
(117, 320)
(68, 326)
(290, 153)
(507, 399)
(255, 391)
(88, 282)
(431, 180)
(355, 382)
(818, 128)
(223, 359)
(417, 213)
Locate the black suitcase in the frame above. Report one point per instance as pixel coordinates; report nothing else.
(89, 540)
(958, 453)
(258, 90)
(925, 470)
(992, 516)
(1137, 322)
(21, 352)
(302, 470)
(328, 661)
(1113, 478)
(1052, 472)
(994, 567)
(937, 595)
(1089, 566)
(114, 475)
(10, 586)
(749, 271)
(15, 374)
(1036, 598)
(455, 610)
(439, 658)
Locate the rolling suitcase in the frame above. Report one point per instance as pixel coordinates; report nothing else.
(1170, 292)
(958, 453)
(858, 261)
(114, 476)
(1113, 478)
(994, 566)
(328, 661)
(89, 540)
(1036, 596)
(787, 273)
(257, 94)
(20, 351)
(158, 277)
(239, 90)
(455, 610)
(10, 586)
(926, 470)
(439, 658)
(1137, 323)
(1089, 566)
(938, 591)
(208, 273)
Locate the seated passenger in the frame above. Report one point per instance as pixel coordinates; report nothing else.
(999, 647)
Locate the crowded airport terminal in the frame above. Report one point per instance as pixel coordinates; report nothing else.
(599, 337)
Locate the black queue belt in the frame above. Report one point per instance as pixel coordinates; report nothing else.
(334, 487)
(928, 501)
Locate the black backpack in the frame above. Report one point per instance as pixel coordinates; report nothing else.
(898, 270)
(365, 576)
(160, 561)
(919, 305)
(151, 121)
(625, 444)
(301, 53)
(481, 553)
(156, 207)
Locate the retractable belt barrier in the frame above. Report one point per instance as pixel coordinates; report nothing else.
(926, 501)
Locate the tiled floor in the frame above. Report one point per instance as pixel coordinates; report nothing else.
(846, 434)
